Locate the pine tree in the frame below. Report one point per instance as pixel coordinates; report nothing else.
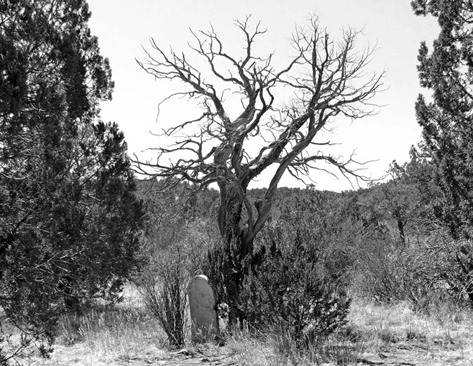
(446, 121)
(69, 218)
(447, 124)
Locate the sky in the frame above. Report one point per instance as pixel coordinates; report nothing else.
(124, 29)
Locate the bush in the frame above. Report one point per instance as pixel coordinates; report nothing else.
(418, 273)
(164, 291)
(163, 280)
(173, 249)
(456, 268)
(292, 290)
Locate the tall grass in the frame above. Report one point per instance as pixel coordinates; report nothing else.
(125, 331)
(107, 335)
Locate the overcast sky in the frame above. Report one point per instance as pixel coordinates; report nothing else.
(125, 26)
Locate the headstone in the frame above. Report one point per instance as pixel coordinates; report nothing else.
(202, 310)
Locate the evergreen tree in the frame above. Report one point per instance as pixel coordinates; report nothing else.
(69, 218)
(446, 121)
(448, 129)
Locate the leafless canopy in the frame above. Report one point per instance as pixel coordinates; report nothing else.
(324, 79)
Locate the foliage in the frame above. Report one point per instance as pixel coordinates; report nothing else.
(399, 254)
(309, 308)
(349, 241)
(174, 246)
(446, 122)
(404, 252)
(69, 217)
(393, 274)
(366, 249)
(290, 248)
(165, 296)
(447, 72)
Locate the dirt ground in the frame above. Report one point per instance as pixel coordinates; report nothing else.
(403, 353)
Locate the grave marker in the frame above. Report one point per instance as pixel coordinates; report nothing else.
(202, 310)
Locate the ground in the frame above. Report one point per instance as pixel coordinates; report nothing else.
(375, 335)
(403, 353)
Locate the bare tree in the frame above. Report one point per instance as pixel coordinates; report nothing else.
(325, 79)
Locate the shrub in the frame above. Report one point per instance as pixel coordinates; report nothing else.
(164, 292)
(292, 290)
(456, 269)
(172, 249)
(418, 273)
(163, 280)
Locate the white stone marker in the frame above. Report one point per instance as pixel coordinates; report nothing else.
(202, 310)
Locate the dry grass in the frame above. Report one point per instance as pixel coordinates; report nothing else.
(444, 337)
(376, 334)
(107, 336)
(380, 324)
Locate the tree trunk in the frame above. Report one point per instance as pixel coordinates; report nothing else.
(231, 261)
